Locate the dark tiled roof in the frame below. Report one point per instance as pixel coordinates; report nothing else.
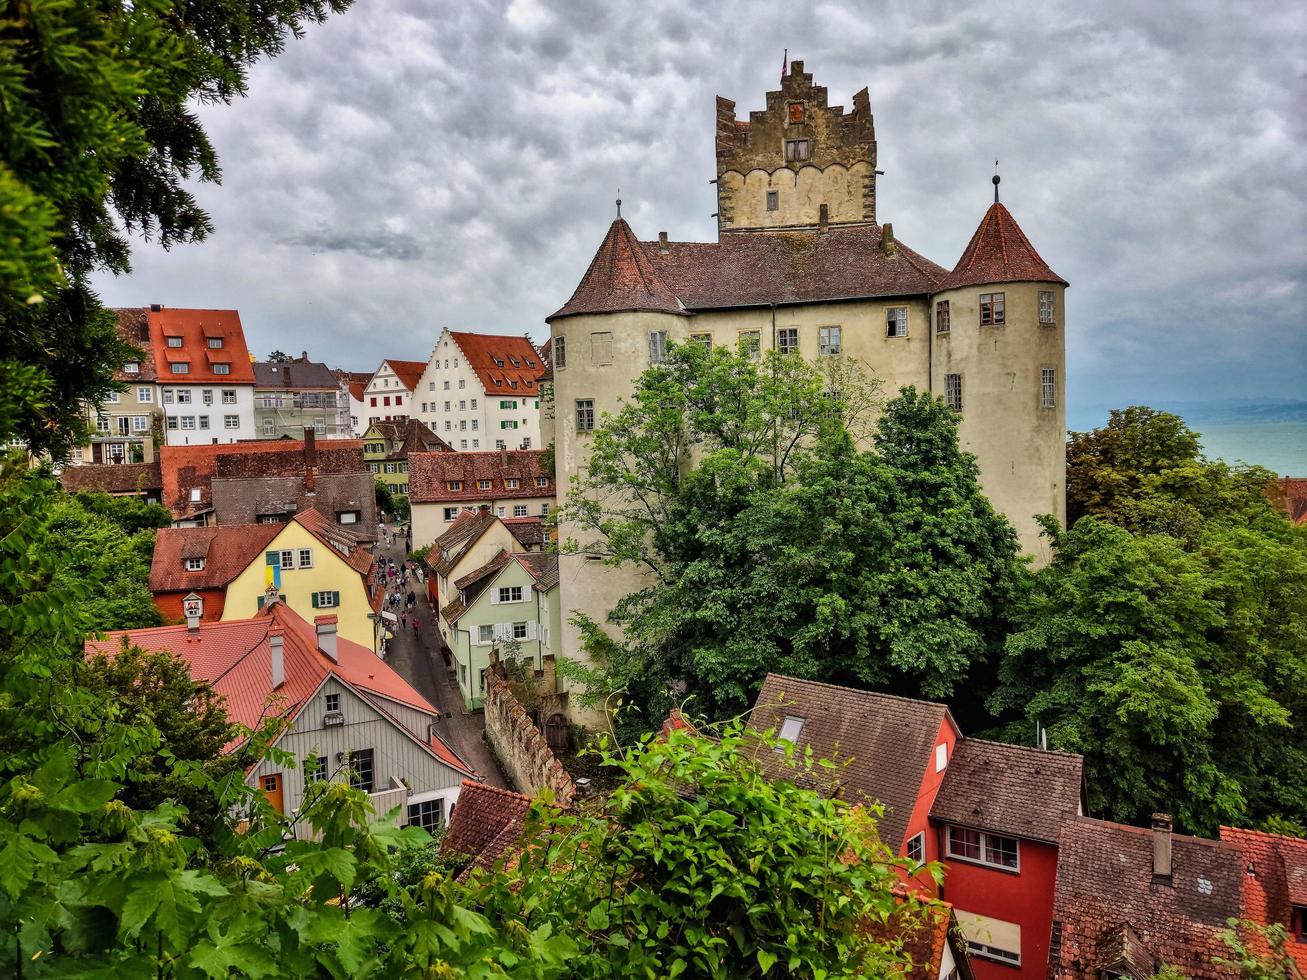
(1275, 879)
(112, 478)
(458, 537)
(487, 821)
(998, 252)
(1009, 789)
(760, 269)
(429, 475)
(334, 456)
(227, 551)
(294, 375)
(529, 532)
(408, 436)
(499, 360)
(887, 741)
(134, 328)
(539, 565)
(621, 277)
(493, 565)
(1108, 907)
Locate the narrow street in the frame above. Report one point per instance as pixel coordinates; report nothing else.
(420, 661)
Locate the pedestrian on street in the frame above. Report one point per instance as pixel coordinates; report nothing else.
(412, 598)
(403, 620)
(415, 626)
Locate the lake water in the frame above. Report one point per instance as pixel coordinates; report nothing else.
(1279, 446)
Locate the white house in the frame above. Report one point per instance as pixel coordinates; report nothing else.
(388, 396)
(204, 374)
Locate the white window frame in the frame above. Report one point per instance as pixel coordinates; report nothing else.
(917, 842)
(506, 594)
(194, 564)
(304, 558)
(450, 513)
(585, 415)
(519, 510)
(327, 599)
(229, 396)
(1046, 308)
(829, 341)
(784, 336)
(750, 342)
(953, 391)
(791, 728)
(984, 839)
(485, 634)
(525, 631)
(896, 321)
(145, 395)
(231, 421)
(1048, 387)
(558, 350)
(657, 346)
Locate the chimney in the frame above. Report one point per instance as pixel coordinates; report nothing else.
(310, 459)
(887, 239)
(193, 625)
(326, 629)
(276, 643)
(503, 456)
(823, 218)
(156, 307)
(662, 242)
(1162, 845)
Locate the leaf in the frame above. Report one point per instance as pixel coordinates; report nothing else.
(597, 919)
(766, 960)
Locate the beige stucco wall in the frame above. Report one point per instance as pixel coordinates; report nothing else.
(1019, 445)
(429, 519)
(800, 193)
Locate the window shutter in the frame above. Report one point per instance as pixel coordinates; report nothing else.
(272, 558)
(260, 602)
(314, 597)
(494, 598)
(531, 630)
(335, 598)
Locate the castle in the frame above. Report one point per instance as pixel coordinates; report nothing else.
(801, 263)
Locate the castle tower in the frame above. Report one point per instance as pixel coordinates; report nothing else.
(999, 359)
(796, 161)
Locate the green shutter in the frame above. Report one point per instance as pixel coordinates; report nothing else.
(260, 602)
(335, 599)
(314, 597)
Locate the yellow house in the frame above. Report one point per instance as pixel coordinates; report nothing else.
(316, 568)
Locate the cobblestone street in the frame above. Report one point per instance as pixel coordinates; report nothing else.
(421, 661)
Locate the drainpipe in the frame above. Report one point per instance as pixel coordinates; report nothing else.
(930, 345)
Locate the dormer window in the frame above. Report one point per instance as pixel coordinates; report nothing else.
(194, 564)
(483, 484)
(215, 343)
(181, 367)
(515, 361)
(174, 341)
(132, 367)
(455, 485)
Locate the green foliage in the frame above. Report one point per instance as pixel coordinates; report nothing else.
(1257, 952)
(773, 544)
(698, 865)
(385, 499)
(1167, 641)
(97, 104)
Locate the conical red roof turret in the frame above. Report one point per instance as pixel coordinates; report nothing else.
(999, 251)
(620, 279)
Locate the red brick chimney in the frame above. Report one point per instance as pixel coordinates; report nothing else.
(310, 459)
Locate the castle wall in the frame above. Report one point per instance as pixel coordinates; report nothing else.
(1019, 444)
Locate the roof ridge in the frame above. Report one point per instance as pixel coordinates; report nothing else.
(1300, 841)
(1083, 818)
(1023, 748)
(497, 790)
(857, 690)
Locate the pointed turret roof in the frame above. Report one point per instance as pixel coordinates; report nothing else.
(999, 251)
(621, 278)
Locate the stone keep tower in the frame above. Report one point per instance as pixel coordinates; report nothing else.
(798, 164)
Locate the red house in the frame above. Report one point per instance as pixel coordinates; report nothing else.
(1274, 886)
(990, 813)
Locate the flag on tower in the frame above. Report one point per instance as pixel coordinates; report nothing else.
(785, 60)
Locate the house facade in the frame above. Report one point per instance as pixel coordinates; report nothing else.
(206, 379)
(509, 483)
(127, 427)
(482, 391)
(291, 396)
(310, 563)
(474, 539)
(508, 605)
(349, 716)
(387, 447)
(388, 395)
(991, 814)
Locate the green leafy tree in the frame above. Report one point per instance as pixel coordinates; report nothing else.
(1257, 952)
(698, 864)
(385, 499)
(102, 141)
(773, 544)
(278, 357)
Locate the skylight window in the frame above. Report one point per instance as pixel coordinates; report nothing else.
(791, 728)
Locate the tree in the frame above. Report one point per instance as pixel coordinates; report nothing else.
(102, 141)
(385, 499)
(774, 544)
(278, 357)
(1177, 673)
(698, 864)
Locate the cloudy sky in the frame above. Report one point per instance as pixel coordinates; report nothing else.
(415, 164)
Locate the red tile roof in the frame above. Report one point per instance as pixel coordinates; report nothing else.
(1109, 909)
(195, 327)
(408, 372)
(493, 565)
(999, 252)
(134, 328)
(501, 360)
(356, 390)
(227, 551)
(235, 658)
(1274, 880)
(621, 277)
(756, 270)
(188, 468)
(487, 821)
(112, 478)
(429, 475)
(1009, 789)
(1294, 489)
(887, 741)
(461, 535)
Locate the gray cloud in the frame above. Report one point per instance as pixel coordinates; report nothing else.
(415, 164)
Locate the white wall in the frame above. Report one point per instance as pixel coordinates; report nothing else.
(215, 412)
(384, 384)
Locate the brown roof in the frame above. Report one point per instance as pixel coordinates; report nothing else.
(294, 375)
(408, 372)
(1110, 912)
(539, 565)
(134, 328)
(196, 327)
(342, 539)
(529, 532)
(457, 538)
(493, 565)
(227, 551)
(429, 475)
(1274, 880)
(111, 478)
(886, 741)
(621, 277)
(1009, 789)
(408, 436)
(504, 364)
(761, 269)
(486, 822)
(999, 251)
